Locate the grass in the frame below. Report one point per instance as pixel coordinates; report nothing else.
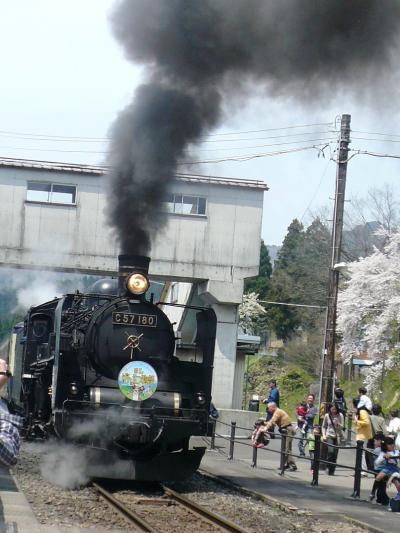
(293, 382)
(294, 385)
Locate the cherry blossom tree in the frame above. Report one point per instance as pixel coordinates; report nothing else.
(369, 308)
(249, 312)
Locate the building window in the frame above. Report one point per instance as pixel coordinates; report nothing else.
(52, 193)
(185, 205)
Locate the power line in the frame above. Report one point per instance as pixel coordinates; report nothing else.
(272, 136)
(52, 136)
(273, 129)
(51, 139)
(248, 157)
(264, 145)
(316, 190)
(373, 154)
(244, 157)
(374, 139)
(51, 150)
(292, 305)
(101, 139)
(40, 138)
(377, 133)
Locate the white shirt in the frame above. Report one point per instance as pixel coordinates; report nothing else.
(394, 425)
(365, 401)
(381, 459)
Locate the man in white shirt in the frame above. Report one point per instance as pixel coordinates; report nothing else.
(364, 400)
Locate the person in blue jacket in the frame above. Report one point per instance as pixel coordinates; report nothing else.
(273, 393)
(272, 397)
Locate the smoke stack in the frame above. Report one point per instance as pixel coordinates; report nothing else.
(128, 264)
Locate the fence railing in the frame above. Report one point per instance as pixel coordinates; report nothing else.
(316, 460)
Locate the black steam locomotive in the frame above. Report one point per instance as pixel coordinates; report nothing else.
(100, 370)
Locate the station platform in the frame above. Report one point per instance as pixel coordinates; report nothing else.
(331, 499)
(16, 514)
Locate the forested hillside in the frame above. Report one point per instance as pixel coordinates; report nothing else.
(299, 277)
(368, 299)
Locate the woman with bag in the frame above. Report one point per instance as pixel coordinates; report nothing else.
(332, 431)
(378, 426)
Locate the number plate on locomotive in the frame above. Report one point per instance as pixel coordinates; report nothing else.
(134, 319)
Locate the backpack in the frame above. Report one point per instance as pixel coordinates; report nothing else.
(394, 505)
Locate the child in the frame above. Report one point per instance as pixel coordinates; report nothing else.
(388, 460)
(310, 442)
(260, 437)
(301, 412)
(378, 438)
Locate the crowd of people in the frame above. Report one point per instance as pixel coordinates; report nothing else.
(381, 439)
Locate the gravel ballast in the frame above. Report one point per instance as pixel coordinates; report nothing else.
(83, 508)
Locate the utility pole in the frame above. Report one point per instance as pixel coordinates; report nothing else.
(328, 355)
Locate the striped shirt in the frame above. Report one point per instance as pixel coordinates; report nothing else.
(10, 426)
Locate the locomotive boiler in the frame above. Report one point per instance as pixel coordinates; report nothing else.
(101, 370)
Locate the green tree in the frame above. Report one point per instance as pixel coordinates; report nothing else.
(305, 352)
(312, 281)
(291, 246)
(300, 277)
(260, 284)
(284, 319)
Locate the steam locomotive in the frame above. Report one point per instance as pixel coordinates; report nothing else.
(100, 370)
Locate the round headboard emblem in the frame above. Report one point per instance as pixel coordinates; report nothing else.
(137, 381)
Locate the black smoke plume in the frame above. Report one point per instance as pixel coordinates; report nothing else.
(198, 53)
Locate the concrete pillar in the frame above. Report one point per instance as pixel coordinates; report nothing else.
(224, 298)
(225, 355)
(238, 386)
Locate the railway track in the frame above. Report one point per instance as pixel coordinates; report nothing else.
(156, 514)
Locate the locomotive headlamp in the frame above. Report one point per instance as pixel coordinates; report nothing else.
(201, 398)
(137, 284)
(73, 389)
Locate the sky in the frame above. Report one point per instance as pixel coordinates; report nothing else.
(63, 75)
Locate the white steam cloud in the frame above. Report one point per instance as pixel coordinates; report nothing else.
(36, 292)
(64, 465)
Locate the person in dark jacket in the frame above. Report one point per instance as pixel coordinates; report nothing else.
(273, 393)
(341, 404)
(272, 397)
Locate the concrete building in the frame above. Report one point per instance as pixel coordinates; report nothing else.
(52, 217)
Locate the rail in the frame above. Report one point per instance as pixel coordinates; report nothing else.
(214, 518)
(127, 513)
(218, 522)
(317, 461)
